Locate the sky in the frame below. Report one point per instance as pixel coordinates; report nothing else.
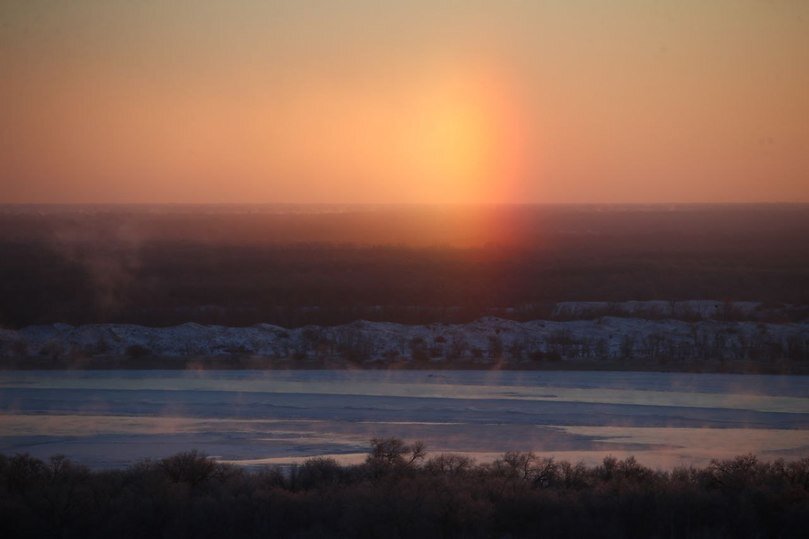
(360, 101)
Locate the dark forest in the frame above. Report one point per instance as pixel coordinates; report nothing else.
(240, 266)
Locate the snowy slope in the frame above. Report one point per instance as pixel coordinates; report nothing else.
(485, 340)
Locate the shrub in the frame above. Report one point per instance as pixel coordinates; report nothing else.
(395, 493)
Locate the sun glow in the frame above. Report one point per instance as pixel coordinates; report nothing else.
(463, 140)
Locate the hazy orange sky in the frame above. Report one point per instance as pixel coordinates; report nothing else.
(418, 101)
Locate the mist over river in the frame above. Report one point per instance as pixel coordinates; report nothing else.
(114, 418)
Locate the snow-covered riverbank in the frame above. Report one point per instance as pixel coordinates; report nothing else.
(486, 340)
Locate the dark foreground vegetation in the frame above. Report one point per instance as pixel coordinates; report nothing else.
(399, 492)
(234, 266)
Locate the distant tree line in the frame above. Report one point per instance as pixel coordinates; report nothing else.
(400, 492)
(239, 266)
(297, 285)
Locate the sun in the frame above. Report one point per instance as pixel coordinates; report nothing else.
(459, 139)
(456, 143)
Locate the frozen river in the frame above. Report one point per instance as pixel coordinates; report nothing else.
(112, 418)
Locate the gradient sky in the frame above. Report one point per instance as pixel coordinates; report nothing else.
(418, 101)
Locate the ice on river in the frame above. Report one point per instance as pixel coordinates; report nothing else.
(113, 418)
